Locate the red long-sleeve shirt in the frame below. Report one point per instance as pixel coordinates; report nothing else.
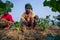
(8, 17)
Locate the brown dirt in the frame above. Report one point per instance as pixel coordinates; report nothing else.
(36, 34)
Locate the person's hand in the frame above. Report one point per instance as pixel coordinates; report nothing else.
(5, 22)
(3, 19)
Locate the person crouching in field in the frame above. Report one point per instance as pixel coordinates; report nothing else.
(27, 18)
(5, 19)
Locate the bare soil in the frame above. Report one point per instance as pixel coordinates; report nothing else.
(29, 34)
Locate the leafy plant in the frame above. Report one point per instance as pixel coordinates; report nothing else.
(58, 24)
(0, 23)
(49, 37)
(52, 37)
(58, 17)
(18, 25)
(42, 23)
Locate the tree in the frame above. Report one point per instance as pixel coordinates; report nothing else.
(55, 7)
(5, 6)
(53, 4)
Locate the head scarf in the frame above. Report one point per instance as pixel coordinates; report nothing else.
(28, 6)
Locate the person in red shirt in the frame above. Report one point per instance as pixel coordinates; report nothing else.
(7, 16)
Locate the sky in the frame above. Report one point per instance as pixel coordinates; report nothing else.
(38, 9)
